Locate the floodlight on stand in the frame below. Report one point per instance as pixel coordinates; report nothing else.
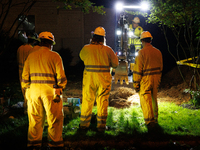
(119, 6)
(119, 32)
(144, 5)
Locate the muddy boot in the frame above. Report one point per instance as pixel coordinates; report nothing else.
(151, 127)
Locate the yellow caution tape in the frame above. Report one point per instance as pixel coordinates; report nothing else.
(184, 62)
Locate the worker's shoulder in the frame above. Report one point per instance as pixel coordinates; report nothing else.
(108, 47)
(47, 51)
(153, 49)
(156, 49)
(86, 45)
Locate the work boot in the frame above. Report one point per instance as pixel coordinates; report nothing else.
(82, 129)
(151, 127)
(101, 130)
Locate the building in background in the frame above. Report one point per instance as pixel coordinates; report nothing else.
(72, 28)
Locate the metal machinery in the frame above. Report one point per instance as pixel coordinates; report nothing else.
(126, 52)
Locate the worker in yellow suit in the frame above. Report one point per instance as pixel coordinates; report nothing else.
(22, 54)
(98, 59)
(134, 33)
(146, 78)
(44, 78)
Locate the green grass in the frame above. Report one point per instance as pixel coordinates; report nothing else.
(175, 121)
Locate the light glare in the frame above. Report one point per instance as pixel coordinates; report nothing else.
(119, 32)
(130, 33)
(144, 6)
(119, 6)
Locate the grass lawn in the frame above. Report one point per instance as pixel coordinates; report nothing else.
(179, 126)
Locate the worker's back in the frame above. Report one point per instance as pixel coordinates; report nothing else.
(151, 58)
(46, 67)
(98, 58)
(149, 67)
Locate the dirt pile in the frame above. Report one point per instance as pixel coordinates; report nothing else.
(123, 97)
(173, 85)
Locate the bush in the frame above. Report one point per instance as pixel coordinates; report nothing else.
(195, 96)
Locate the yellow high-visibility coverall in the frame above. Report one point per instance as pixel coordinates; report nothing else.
(22, 54)
(146, 79)
(43, 68)
(97, 79)
(135, 41)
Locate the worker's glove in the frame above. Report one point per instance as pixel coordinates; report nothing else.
(58, 91)
(57, 94)
(136, 87)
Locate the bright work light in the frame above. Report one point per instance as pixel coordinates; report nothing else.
(119, 32)
(119, 6)
(144, 6)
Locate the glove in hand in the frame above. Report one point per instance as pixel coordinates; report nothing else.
(57, 93)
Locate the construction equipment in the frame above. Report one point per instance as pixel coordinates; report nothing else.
(126, 52)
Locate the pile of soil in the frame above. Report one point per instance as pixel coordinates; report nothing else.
(174, 83)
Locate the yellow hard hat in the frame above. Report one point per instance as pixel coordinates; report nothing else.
(47, 35)
(146, 34)
(136, 20)
(100, 31)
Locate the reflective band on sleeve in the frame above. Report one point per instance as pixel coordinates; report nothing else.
(25, 81)
(97, 68)
(62, 80)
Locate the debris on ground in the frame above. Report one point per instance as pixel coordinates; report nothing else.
(123, 97)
